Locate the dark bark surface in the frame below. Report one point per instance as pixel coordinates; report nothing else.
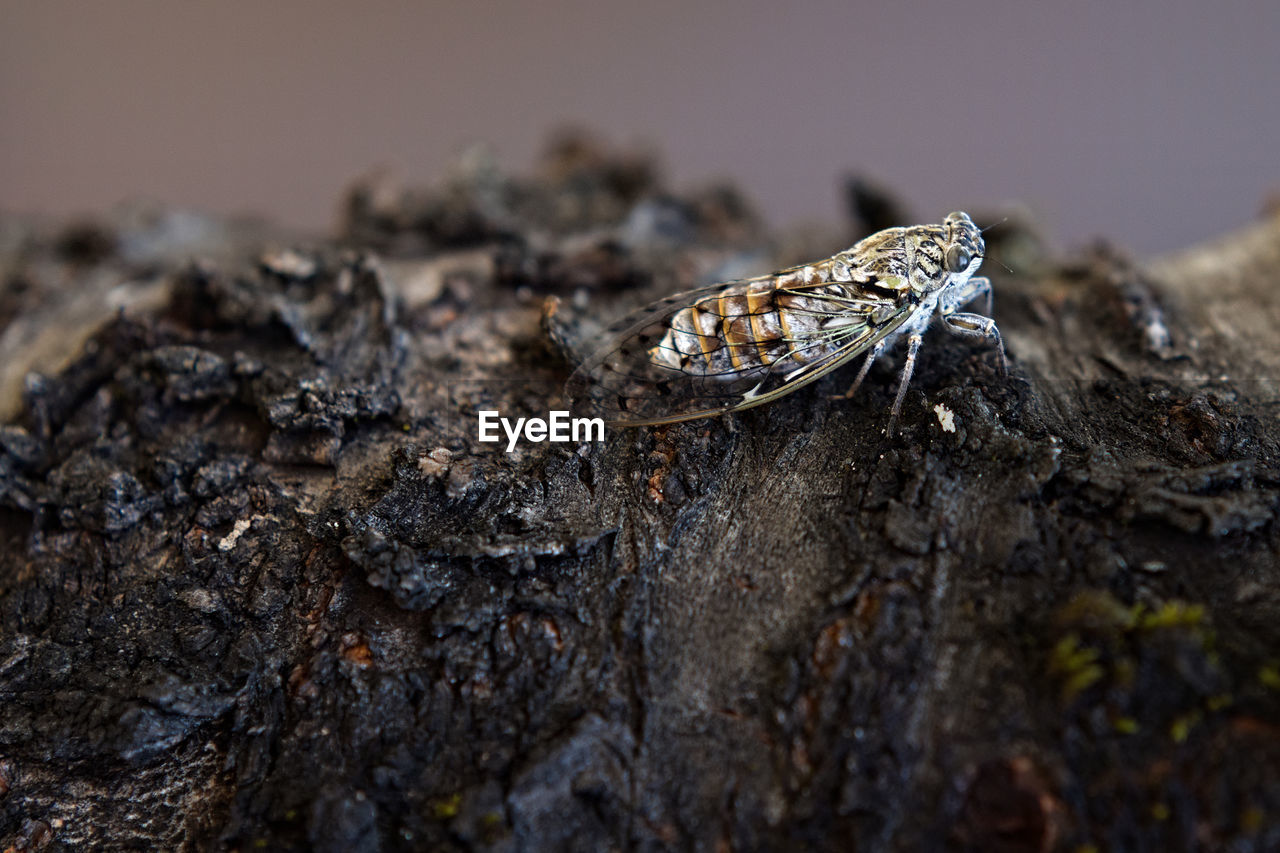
(261, 586)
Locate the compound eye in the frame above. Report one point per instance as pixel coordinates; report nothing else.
(958, 258)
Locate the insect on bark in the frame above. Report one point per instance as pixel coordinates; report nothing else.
(736, 345)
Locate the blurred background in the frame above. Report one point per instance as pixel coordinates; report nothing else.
(1156, 123)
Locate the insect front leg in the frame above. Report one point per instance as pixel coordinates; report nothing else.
(953, 300)
(976, 326)
(968, 325)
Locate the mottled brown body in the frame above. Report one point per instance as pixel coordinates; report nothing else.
(779, 322)
(735, 345)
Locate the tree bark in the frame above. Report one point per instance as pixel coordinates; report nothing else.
(261, 585)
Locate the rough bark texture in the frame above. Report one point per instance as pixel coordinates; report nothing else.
(262, 587)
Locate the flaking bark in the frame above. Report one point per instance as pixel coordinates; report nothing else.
(260, 583)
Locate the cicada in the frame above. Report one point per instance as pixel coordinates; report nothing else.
(740, 344)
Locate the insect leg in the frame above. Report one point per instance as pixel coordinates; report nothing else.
(952, 301)
(862, 374)
(976, 326)
(913, 347)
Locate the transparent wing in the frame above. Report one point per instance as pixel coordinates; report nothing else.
(632, 377)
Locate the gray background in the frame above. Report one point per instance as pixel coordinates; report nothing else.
(1154, 122)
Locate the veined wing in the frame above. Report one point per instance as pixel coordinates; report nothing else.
(729, 347)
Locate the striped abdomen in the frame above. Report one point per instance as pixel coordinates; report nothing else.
(763, 324)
